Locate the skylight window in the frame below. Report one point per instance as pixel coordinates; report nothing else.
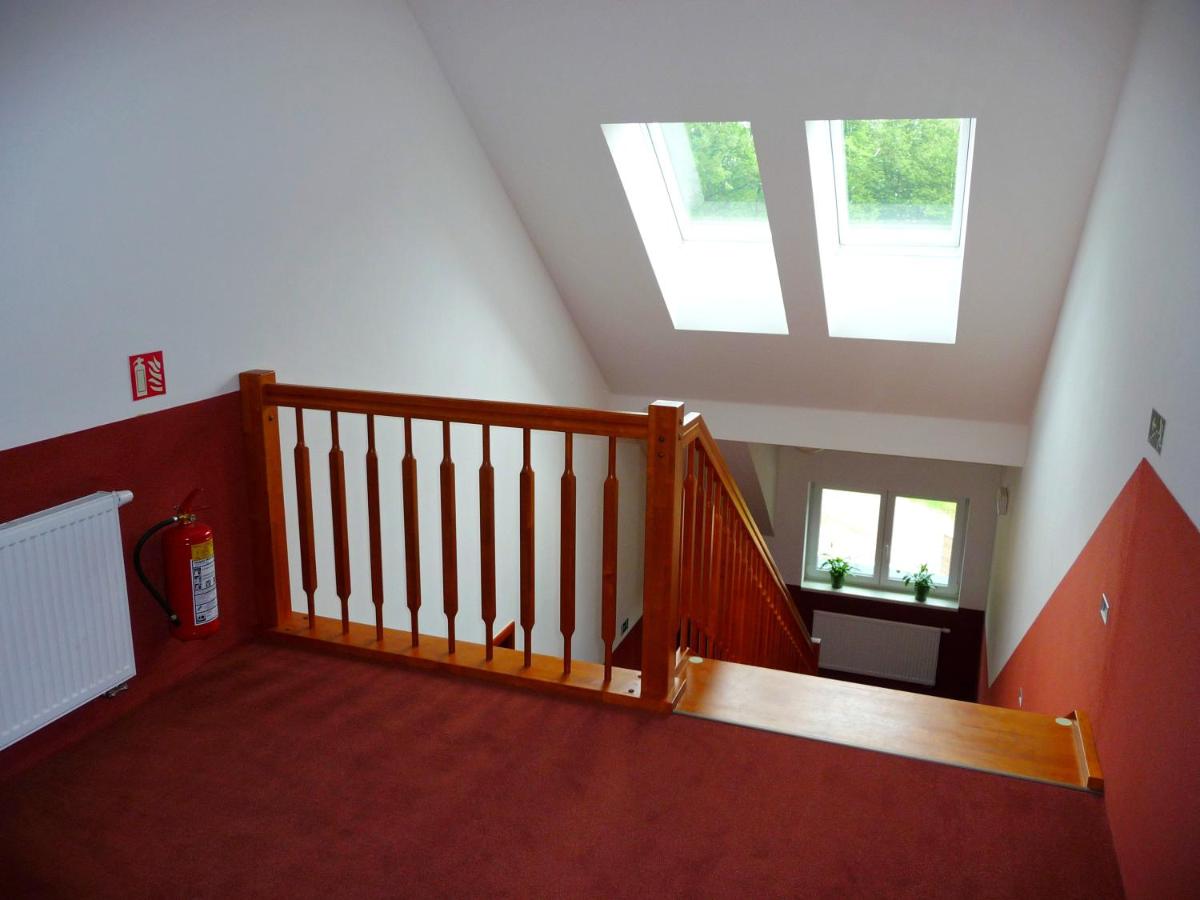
(696, 195)
(711, 174)
(890, 197)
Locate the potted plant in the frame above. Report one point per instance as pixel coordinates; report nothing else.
(921, 581)
(838, 570)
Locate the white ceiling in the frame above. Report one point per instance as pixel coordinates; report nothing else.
(537, 78)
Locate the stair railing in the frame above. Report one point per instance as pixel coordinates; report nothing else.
(709, 586)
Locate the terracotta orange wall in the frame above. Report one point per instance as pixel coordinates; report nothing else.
(160, 457)
(1138, 677)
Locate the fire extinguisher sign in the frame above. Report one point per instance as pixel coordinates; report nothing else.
(147, 378)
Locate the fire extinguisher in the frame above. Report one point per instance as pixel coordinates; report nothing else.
(190, 565)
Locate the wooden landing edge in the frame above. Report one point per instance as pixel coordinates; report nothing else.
(1091, 776)
(995, 740)
(586, 681)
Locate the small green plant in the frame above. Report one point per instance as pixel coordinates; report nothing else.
(920, 581)
(838, 570)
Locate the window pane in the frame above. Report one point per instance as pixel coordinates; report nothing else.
(849, 528)
(902, 180)
(922, 533)
(715, 185)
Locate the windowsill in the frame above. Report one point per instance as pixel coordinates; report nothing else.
(852, 590)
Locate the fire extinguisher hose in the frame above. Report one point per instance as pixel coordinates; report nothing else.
(141, 574)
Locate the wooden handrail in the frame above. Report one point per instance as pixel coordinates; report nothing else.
(452, 409)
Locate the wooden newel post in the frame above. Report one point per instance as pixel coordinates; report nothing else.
(260, 430)
(660, 595)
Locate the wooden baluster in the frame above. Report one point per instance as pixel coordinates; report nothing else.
(449, 540)
(566, 588)
(728, 611)
(527, 560)
(763, 598)
(720, 557)
(756, 634)
(738, 607)
(760, 601)
(733, 606)
(375, 532)
(750, 638)
(721, 575)
(707, 588)
(746, 603)
(341, 538)
(688, 553)
(487, 540)
(412, 533)
(761, 632)
(721, 606)
(304, 515)
(608, 567)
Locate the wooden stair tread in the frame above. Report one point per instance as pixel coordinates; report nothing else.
(969, 735)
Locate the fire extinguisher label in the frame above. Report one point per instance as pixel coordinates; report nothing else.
(204, 582)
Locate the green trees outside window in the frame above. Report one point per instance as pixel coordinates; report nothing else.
(901, 170)
(897, 170)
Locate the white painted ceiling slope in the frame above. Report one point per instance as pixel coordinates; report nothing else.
(537, 78)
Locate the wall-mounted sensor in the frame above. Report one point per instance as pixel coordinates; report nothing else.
(1158, 426)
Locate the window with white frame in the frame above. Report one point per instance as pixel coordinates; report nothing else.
(885, 536)
(697, 198)
(890, 198)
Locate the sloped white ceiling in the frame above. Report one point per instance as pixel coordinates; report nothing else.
(537, 79)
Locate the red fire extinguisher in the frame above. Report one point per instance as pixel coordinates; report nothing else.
(190, 566)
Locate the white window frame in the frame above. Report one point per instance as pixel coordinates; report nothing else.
(910, 238)
(883, 541)
(689, 228)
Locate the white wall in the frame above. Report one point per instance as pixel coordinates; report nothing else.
(538, 77)
(864, 432)
(798, 469)
(766, 466)
(757, 491)
(279, 183)
(286, 184)
(1129, 335)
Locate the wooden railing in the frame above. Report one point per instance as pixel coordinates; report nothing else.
(734, 604)
(699, 536)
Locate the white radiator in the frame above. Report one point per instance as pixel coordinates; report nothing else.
(877, 647)
(64, 613)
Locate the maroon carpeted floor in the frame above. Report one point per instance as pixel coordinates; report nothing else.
(273, 772)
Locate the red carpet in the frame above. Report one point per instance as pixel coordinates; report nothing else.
(273, 772)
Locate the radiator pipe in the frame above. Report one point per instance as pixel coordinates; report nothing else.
(141, 574)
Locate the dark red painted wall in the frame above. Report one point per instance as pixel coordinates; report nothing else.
(1138, 677)
(160, 457)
